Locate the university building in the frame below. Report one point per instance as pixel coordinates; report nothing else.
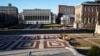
(67, 14)
(86, 15)
(8, 15)
(36, 16)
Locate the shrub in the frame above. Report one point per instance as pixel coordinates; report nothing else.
(94, 51)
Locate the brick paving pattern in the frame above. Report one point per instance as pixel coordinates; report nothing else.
(30, 42)
(34, 43)
(54, 44)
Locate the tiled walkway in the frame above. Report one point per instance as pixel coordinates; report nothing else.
(37, 44)
(30, 42)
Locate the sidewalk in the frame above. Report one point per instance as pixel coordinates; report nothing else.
(40, 52)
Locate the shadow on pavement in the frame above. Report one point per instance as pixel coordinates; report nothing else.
(82, 51)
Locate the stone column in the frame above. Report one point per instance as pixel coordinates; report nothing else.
(97, 29)
(49, 22)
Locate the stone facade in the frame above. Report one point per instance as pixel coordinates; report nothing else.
(36, 16)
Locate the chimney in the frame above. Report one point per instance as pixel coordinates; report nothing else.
(9, 4)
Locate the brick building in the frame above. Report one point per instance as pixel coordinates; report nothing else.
(68, 11)
(8, 15)
(86, 15)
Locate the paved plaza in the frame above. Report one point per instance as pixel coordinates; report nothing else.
(36, 44)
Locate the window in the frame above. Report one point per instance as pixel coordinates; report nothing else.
(90, 20)
(99, 19)
(25, 17)
(34, 17)
(47, 17)
(86, 20)
(30, 18)
(42, 17)
(39, 17)
(93, 20)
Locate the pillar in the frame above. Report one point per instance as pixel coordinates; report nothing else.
(97, 29)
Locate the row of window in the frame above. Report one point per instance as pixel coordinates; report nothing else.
(91, 8)
(37, 10)
(89, 20)
(37, 22)
(36, 17)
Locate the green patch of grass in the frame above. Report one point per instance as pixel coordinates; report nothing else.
(50, 25)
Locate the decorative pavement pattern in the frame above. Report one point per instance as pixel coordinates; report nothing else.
(29, 42)
(33, 42)
(54, 44)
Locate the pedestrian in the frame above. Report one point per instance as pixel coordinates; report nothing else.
(30, 53)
